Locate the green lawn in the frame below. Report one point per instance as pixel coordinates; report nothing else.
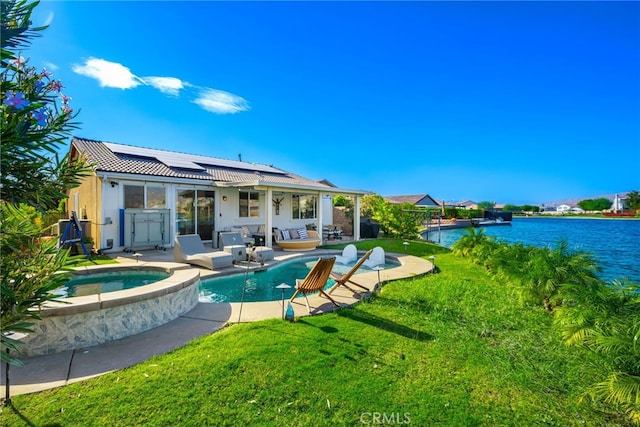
(452, 349)
(82, 261)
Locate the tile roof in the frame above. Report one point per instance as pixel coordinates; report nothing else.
(413, 199)
(117, 158)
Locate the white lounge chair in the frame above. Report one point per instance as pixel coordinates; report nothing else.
(377, 258)
(188, 248)
(349, 255)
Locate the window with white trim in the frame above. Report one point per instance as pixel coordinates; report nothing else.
(141, 197)
(249, 204)
(304, 206)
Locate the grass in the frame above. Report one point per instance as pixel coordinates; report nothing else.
(453, 348)
(82, 261)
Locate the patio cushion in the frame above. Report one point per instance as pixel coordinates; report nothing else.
(285, 235)
(294, 233)
(303, 233)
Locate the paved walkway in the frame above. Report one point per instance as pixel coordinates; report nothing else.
(55, 370)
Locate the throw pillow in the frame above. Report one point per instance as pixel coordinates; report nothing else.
(303, 233)
(285, 235)
(294, 233)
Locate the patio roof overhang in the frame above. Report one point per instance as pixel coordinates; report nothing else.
(291, 188)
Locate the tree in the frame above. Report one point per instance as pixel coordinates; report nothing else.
(598, 204)
(605, 318)
(550, 268)
(369, 204)
(396, 221)
(633, 200)
(472, 239)
(36, 120)
(486, 206)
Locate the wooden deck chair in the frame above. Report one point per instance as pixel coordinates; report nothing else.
(343, 279)
(316, 280)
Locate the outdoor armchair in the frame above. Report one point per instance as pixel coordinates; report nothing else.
(343, 279)
(316, 280)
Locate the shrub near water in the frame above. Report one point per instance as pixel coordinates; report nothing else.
(603, 317)
(453, 348)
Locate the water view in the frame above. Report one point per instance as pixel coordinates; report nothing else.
(615, 244)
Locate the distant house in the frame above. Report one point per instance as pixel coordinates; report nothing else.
(420, 200)
(618, 203)
(466, 204)
(153, 195)
(563, 208)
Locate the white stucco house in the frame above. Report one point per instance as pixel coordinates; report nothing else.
(140, 195)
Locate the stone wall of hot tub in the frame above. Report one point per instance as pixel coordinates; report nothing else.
(96, 319)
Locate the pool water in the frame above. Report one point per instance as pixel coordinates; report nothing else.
(100, 283)
(261, 285)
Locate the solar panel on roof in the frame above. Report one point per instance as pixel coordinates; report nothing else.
(175, 162)
(189, 161)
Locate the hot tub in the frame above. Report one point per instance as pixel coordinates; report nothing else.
(89, 320)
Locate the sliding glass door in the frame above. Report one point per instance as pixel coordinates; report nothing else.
(195, 213)
(205, 215)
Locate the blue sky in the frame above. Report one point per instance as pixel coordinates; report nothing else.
(513, 102)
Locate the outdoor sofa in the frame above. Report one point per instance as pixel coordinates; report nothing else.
(297, 239)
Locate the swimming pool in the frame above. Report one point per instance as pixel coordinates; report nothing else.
(261, 285)
(100, 283)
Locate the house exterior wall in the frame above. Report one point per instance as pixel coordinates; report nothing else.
(102, 199)
(85, 201)
(111, 202)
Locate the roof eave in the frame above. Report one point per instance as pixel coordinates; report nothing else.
(265, 185)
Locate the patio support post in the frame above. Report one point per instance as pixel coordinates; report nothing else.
(319, 202)
(356, 219)
(268, 219)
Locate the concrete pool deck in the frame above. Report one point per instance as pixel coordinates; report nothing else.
(58, 369)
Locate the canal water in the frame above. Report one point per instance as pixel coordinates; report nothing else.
(614, 243)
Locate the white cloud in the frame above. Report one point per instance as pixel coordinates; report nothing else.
(112, 74)
(167, 85)
(220, 102)
(109, 74)
(50, 66)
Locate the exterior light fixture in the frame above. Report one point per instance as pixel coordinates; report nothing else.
(378, 287)
(283, 286)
